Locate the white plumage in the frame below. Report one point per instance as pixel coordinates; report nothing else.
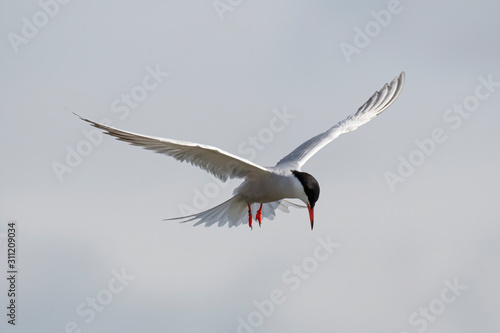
(269, 186)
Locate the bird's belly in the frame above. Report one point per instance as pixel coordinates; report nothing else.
(268, 189)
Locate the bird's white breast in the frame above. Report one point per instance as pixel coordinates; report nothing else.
(272, 187)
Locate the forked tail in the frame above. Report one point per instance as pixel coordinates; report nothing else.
(234, 212)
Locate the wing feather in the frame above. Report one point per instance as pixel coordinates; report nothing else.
(377, 103)
(221, 164)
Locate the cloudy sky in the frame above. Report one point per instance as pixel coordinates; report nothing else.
(407, 235)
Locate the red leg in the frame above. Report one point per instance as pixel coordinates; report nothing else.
(258, 217)
(250, 216)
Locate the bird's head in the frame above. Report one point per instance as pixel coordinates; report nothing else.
(311, 191)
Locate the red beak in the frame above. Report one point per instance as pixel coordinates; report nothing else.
(311, 215)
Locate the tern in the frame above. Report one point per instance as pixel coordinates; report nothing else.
(267, 187)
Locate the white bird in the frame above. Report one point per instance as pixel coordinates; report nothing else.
(267, 187)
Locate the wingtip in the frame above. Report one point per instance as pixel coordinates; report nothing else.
(402, 76)
(398, 83)
(76, 114)
(84, 119)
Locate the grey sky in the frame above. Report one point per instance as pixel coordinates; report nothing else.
(401, 245)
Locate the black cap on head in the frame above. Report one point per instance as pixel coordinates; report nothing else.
(310, 184)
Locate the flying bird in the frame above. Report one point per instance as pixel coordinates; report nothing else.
(265, 187)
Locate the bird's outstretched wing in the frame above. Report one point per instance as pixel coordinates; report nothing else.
(221, 164)
(373, 107)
